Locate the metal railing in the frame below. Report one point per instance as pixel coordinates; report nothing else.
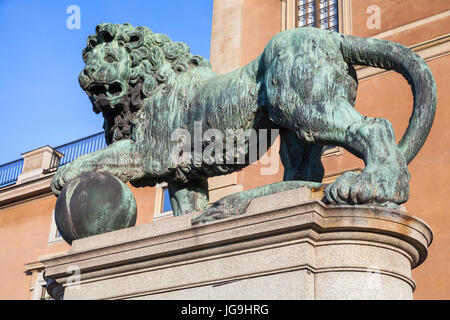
(9, 172)
(75, 149)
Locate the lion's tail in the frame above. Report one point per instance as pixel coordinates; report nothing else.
(392, 56)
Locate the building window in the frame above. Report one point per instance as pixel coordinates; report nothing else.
(321, 14)
(55, 236)
(163, 207)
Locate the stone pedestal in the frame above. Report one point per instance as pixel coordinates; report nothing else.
(284, 247)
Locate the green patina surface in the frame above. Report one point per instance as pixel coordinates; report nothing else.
(94, 203)
(303, 84)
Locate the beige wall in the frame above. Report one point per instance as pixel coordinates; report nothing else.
(226, 35)
(24, 233)
(240, 30)
(261, 20)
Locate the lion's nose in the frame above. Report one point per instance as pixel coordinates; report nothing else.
(90, 71)
(87, 72)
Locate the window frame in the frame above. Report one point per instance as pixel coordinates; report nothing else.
(316, 13)
(289, 12)
(159, 202)
(53, 236)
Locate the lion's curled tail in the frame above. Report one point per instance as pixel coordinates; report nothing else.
(392, 56)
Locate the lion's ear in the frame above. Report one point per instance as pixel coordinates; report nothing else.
(92, 41)
(106, 31)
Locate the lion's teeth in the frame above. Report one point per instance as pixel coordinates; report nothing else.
(109, 95)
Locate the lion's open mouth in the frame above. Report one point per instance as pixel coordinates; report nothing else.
(106, 97)
(106, 90)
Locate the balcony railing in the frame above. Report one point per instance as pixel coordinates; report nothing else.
(10, 171)
(75, 149)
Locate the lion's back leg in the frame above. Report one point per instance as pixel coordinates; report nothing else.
(301, 160)
(320, 112)
(189, 197)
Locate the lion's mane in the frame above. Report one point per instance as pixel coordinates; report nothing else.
(148, 51)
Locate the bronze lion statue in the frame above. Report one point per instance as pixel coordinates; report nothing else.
(303, 84)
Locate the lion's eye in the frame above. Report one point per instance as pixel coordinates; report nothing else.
(110, 58)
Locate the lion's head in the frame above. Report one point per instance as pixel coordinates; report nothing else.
(124, 66)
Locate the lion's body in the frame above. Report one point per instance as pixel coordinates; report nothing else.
(303, 84)
(246, 98)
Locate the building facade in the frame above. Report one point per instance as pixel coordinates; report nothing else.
(240, 30)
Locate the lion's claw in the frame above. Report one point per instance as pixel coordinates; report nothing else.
(64, 174)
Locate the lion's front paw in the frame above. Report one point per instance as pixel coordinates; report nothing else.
(381, 186)
(226, 207)
(64, 174)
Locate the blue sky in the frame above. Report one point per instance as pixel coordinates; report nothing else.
(40, 59)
